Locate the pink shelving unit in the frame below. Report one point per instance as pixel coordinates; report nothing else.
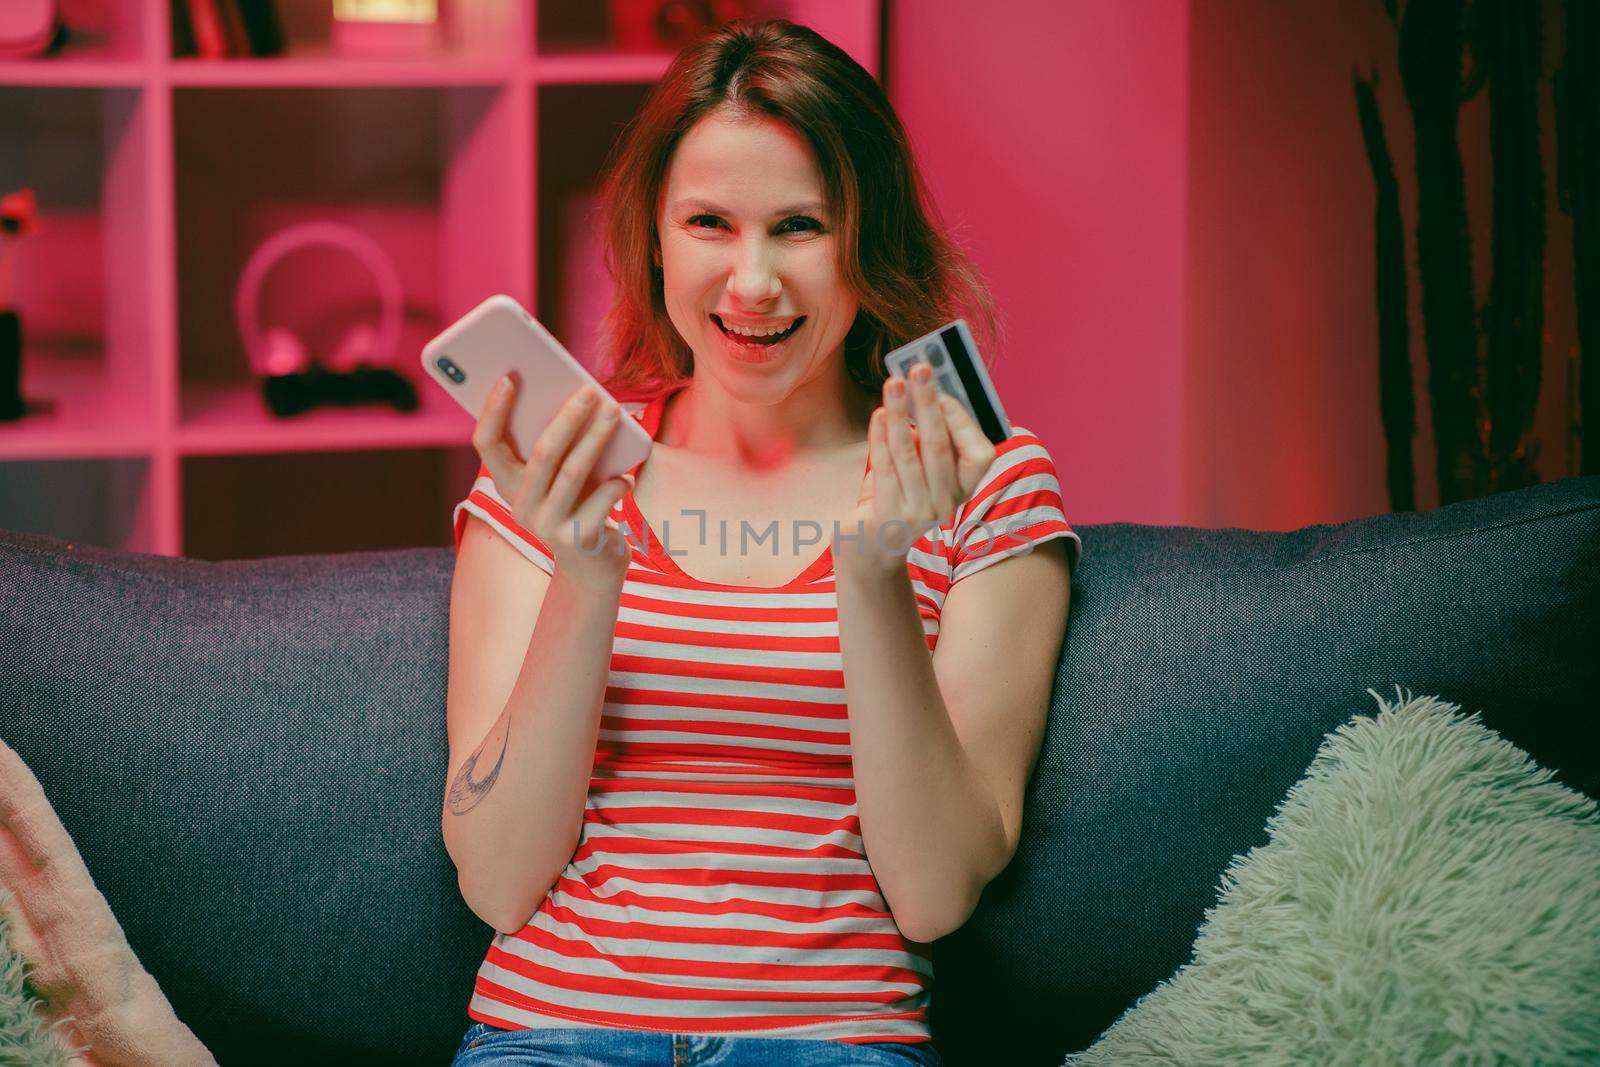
(474, 167)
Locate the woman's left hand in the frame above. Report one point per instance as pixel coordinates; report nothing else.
(919, 476)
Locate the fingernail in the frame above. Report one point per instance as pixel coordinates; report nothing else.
(586, 396)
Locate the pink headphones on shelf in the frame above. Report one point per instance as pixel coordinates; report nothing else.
(357, 369)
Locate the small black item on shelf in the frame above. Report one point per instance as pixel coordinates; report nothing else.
(59, 38)
(11, 405)
(291, 394)
(288, 394)
(335, 388)
(262, 26)
(385, 386)
(182, 31)
(19, 216)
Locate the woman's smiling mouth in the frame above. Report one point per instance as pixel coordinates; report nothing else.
(757, 349)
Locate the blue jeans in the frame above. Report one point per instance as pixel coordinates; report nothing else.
(591, 1046)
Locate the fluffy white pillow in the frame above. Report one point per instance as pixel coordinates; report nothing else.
(1427, 895)
(92, 992)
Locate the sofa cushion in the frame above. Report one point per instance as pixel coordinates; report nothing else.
(250, 756)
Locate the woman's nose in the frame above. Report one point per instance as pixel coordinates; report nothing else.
(755, 276)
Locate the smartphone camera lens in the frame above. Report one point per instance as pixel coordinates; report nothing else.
(451, 371)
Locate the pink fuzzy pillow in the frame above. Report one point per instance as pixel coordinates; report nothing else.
(82, 967)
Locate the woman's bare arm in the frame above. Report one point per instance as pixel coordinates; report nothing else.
(529, 660)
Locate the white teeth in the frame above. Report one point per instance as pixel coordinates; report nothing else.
(743, 331)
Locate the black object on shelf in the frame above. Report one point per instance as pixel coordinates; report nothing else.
(291, 394)
(11, 405)
(262, 26)
(182, 30)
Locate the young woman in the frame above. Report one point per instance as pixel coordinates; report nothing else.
(753, 729)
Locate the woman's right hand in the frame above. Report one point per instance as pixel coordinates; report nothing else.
(544, 490)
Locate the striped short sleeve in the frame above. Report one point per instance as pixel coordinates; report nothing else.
(486, 502)
(1016, 506)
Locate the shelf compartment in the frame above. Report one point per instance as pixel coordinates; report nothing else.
(469, 32)
(100, 33)
(427, 173)
(85, 283)
(109, 43)
(249, 507)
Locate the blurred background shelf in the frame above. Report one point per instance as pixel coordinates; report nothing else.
(75, 73)
(473, 166)
(599, 68)
(234, 419)
(1145, 234)
(316, 68)
(76, 411)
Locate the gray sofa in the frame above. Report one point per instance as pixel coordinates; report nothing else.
(250, 756)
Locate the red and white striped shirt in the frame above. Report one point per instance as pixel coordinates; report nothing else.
(719, 884)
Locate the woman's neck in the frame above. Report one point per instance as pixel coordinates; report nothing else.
(819, 421)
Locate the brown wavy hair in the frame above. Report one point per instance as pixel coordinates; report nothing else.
(909, 277)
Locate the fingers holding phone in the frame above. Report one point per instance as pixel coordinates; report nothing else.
(552, 492)
(489, 436)
(591, 424)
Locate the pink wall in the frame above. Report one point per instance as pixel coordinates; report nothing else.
(1282, 344)
(1054, 142)
(1283, 385)
(1171, 201)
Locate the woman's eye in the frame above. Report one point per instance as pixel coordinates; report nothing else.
(810, 223)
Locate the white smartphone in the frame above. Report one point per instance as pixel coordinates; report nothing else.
(498, 337)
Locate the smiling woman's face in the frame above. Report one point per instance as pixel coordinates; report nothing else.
(745, 238)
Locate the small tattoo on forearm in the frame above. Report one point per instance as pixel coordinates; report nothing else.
(466, 791)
